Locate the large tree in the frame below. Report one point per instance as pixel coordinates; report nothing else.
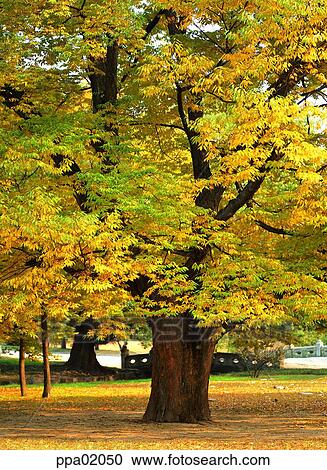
(185, 142)
(237, 234)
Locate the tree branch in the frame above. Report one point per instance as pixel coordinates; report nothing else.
(153, 23)
(271, 229)
(12, 98)
(160, 124)
(244, 196)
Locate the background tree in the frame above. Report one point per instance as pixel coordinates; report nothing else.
(46, 180)
(261, 347)
(23, 337)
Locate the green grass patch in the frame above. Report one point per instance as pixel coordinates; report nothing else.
(278, 374)
(10, 364)
(243, 378)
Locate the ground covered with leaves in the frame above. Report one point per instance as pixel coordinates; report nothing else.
(266, 413)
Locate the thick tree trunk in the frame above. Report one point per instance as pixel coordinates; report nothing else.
(181, 363)
(22, 374)
(45, 354)
(83, 357)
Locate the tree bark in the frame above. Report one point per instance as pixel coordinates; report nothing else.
(22, 373)
(45, 354)
(181, 363)
(103, 77)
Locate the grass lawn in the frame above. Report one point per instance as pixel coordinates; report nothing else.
(283, 411)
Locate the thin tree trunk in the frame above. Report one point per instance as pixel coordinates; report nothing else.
(124, 353)
(45, 353)
(63, 344)
(22, 374)
(181, 363)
